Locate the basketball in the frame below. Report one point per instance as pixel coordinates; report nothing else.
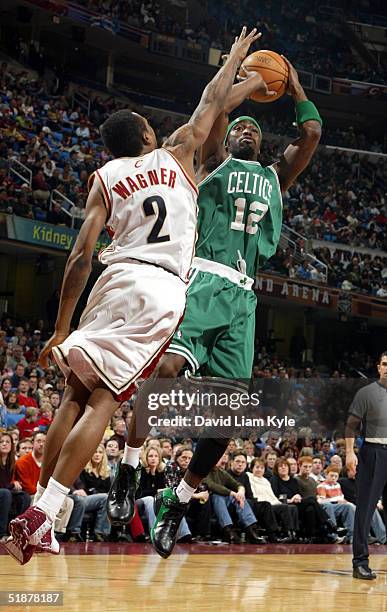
(273, 69)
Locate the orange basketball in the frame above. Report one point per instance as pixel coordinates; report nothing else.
(273, 69)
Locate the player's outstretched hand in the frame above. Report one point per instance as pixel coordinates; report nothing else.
(242, 43)
(294, 81)
(56, 338)
(260, 86)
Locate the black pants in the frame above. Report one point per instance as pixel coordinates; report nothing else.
(311, 515)
(287, 516)
(265, 516)
(198, 518)
(371, 480)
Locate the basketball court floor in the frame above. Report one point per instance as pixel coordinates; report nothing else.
(121, 577)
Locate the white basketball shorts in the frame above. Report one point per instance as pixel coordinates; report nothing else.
(131, 315)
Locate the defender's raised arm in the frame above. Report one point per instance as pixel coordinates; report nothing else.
(190, 136)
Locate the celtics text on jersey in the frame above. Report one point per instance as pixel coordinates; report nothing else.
(240, 214)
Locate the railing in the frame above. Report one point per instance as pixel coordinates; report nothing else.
(301, 247)
(80, 99)
(21, 171)
(64, 202)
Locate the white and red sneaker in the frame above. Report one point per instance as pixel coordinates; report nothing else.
(27, 531)
(48, 543)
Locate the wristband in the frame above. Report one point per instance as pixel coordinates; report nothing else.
(306, 111)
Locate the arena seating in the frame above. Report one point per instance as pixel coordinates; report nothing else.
(317, 31)
(339, 199)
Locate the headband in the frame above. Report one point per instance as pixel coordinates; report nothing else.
(238, 120)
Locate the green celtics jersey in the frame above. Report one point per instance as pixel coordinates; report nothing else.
(240, 214)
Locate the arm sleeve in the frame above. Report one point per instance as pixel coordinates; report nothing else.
(359, 404)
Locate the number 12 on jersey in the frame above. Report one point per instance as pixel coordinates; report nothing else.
(257, 211)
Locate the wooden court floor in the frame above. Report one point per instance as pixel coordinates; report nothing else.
(120, 577)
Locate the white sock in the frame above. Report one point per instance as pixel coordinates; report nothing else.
(39, 492)
(184, 492)
(131, 456)
(52, 498)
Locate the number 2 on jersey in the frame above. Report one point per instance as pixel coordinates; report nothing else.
(252, 220)
(152, 206)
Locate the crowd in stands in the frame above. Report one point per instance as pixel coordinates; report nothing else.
(289, 478)
(314, 40)
(339, 198)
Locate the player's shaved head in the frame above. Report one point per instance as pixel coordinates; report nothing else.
(125, 134)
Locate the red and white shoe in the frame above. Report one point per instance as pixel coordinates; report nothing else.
(48, 543)
(27, 531)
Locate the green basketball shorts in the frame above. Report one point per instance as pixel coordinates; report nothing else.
(216, 336)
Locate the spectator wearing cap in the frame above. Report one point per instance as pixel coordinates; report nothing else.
(47, 389)
(37, 338)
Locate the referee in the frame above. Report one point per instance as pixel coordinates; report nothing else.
(369, 407)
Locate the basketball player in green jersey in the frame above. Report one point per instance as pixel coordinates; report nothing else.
(239, 225)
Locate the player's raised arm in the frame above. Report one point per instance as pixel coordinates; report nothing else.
(298, 154)
(213, 147)
(184, 141)
(78, 268)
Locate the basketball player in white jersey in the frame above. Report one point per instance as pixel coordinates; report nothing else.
(147, 198)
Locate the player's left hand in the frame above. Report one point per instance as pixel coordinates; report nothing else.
(242, 43)
(294, 84)
(260, 86)
(56, 338)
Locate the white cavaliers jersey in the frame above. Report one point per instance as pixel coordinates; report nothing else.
(152, 206)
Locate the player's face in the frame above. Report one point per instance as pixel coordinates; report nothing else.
(244, 141)
(382, 368)
(151, 135)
